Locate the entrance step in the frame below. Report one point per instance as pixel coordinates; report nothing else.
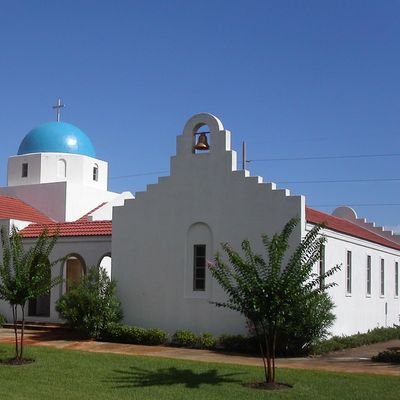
(37, 325)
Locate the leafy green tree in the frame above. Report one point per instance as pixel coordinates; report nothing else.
(25, 274)
(91, 304)
(272, 292)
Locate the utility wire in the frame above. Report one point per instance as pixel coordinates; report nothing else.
(336, 157)
(140, 174)
(357, 205)
(345, 180)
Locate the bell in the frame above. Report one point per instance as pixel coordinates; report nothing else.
(202, 143)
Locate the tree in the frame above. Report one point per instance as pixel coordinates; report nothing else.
(272, 292)
(25, 274)
(91, 304)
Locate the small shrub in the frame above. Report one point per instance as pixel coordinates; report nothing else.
(207, 341)
(388, 356)
(3, 320)
(337, 343)
(120, 333)
(185, 338)
(154, 336)
(238, 343)
(91, 304)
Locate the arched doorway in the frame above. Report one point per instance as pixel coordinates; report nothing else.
(40, 307)
(105, 262)
(75, 268)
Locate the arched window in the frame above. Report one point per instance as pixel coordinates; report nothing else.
(40, 307)
(75, 268)
(95, 172)
(199, 251)
(61, 168)
(105, 262)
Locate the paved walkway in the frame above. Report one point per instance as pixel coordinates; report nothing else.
(352, 360)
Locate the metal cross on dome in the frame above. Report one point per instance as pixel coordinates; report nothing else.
(58, 108)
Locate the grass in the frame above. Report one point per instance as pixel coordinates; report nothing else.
(69, 374)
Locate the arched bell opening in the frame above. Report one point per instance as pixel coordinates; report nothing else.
(105, 262)
(74, 269)
(40, 306)
(201, 139)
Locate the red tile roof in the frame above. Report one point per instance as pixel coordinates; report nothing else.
(347, 227)
(85, 217)
(12, 208)
(76, 228)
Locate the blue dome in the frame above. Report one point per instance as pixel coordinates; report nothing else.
(56, 137)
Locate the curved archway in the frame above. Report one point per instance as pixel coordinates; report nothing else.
(40, 306)
(106, 263)
(74, 269)
(62, 168)
(199, 250)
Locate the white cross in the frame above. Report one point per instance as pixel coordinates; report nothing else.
(58, 107)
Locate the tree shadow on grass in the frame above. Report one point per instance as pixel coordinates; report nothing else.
(139, 377)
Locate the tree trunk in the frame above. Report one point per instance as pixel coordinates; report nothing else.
(273, 354)
(21, 348)
(260, 342)
(15, 320)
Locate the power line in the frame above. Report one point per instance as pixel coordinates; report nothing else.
(357, 205)
(344, 180)
(140, 174)
(335, 157)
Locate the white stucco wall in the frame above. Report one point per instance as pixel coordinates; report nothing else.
(61, 201)
(357, 311)
(204, 201)
(90, 248)
(44, 168)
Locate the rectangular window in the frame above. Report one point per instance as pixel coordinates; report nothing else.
(199, 267)
(95, 173)
(368, 275)
(24, 170)
(382, 277)
(348, 272)
(396, 279)
(322, 267)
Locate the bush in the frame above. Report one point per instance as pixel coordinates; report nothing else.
(207, 341)
(185, 338)
(3, 320)
(119, 333)
(305, 327)
(91, 305)
(376, 335)
(238, 343)
(388, 356)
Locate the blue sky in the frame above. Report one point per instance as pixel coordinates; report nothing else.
(292, 78)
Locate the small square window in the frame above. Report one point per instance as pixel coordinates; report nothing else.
(24, 170)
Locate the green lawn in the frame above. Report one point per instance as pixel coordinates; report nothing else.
(69, 374)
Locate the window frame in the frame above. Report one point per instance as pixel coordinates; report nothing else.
(368, 276)
(382, 278)
(25, 170)
(396, 279)
(349, 272)
(95, 173)
(199, 264)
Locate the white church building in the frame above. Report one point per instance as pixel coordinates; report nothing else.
(159, 242)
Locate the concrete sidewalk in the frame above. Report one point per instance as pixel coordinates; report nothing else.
(352, 360)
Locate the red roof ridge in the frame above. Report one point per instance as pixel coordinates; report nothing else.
(85, 217)
(71, 228)
(345, 226)
(15, 208)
